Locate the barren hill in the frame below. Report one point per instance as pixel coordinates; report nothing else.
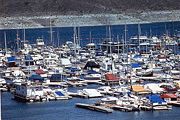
(78, 7)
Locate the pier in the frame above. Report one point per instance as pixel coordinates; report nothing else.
(94, 107)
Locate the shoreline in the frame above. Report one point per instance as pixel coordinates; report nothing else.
(23, 22)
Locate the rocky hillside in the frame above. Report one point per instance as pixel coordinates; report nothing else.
(78, 7)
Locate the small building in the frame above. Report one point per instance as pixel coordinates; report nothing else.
(25, 92)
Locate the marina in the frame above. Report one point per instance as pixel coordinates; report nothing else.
(137, 74)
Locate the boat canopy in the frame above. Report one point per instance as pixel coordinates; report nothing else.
(137, 56)
(65, 61)
(39, 71)
(11, 59)
(28, 58)
(73, 69)
(135, 65)
(91, 64)
(99, 53)
(59, 93)
(154, 98)
(92, 72)
(35, 77)
(154, 87)
(92, 92)
(138, 89)
(168, 95)
(56, 77)
(111, 77)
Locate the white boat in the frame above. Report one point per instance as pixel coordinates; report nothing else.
(90, 93)
(3, 86)
(61, 94)
(108, 65)
(127, 103)
(121, 90)
(105, 90)
(2, 81)
(144, 72)
(158, 103)
(91, 46)
(109, 99)
(92, 75)
(154, 88)
(40, 42)
(18, 73)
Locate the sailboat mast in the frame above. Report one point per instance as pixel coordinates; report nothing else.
(110, 39)
(118, 44)
(150, 32)
(5, 43)
(24, 31)
(58, 38)
(166, 31)
(139, 34)
(17, 40)
(90, 37)
(51, 37)
(123, 45)
(125, 35)
(78, 42)
(74, 36)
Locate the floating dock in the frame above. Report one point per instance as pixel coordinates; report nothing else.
(94, 107)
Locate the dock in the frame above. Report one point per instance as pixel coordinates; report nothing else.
(122, 108)
(77, 95)
(94, 82)
(94, 107)
(118, 107)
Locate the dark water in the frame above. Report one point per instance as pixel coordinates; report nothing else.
(66, 110)
(98, 33)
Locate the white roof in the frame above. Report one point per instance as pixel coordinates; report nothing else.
(154, 87)
(140, 37)
(92, 92)
(65, 61)
(90, 44)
